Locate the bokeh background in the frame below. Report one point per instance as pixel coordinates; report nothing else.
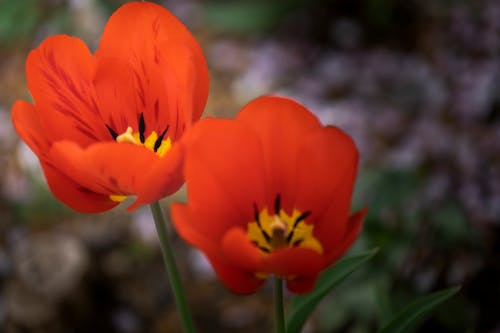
(416, 83)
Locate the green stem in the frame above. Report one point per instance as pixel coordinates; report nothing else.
(279, 314)
(173, 274)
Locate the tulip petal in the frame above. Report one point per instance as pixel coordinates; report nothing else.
(223, 194)
(28, 127)
(73, 194)
(63, 187)
(116, 95)
(235, 279)
(351, 232)
(179, 59)
(164, 178)
(281, 124)
(301, 285)
(136, 29)
(183, 223)
(239, 251)
(125, 93)
(292, 262)
(106, 168)
(325, 181)
(59, 74)
(135, 33)
(238, 281)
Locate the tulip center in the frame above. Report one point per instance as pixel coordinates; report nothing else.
(279, 230)
(153, 142)
(160, 144)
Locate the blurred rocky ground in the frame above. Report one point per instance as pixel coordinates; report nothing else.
(416, 83)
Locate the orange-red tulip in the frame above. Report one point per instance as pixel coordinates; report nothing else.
(269, 193)
(106, 125)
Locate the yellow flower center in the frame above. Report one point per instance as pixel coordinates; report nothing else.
(275, 231)
(160, 147)
(159, 144)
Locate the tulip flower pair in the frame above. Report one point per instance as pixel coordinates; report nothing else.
(268, 192)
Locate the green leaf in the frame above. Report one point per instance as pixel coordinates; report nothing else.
(415, 311)
(302, 306)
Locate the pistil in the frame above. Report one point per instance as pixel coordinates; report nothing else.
(127, 137)
(279, 233)
(270, 232)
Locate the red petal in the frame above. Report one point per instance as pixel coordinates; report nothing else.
(240, 252)
(124, 92)
(224, 175)
(183, 223)
(74, 194)
(290, 262)
(164, 178)
(189, 95)
(238, 281)
(326, 173)
(106, 168)
(28, 127)
(281, 125)
(301, 285)
(235, 279)
(63, 187)
(138, 31)
(59, 74)
(116, 95)
(350, 234)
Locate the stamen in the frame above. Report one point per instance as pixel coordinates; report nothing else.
(160, 139)
(302, 217)
(266, 236)
(142, 128)
(153, 142)
(270, 231)
(112, 132)
(256, 215)
(257, 221)
(126, 137)
(277, 204)
(265, 249)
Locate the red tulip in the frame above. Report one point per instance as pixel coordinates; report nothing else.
(269, 193)
(106, 125)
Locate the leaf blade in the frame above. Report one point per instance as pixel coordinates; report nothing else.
(415, 311)
(303, 305)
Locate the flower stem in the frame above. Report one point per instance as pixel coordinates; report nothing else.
(279, 315)
(173, 274)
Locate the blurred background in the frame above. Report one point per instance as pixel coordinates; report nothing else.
(416, 83)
